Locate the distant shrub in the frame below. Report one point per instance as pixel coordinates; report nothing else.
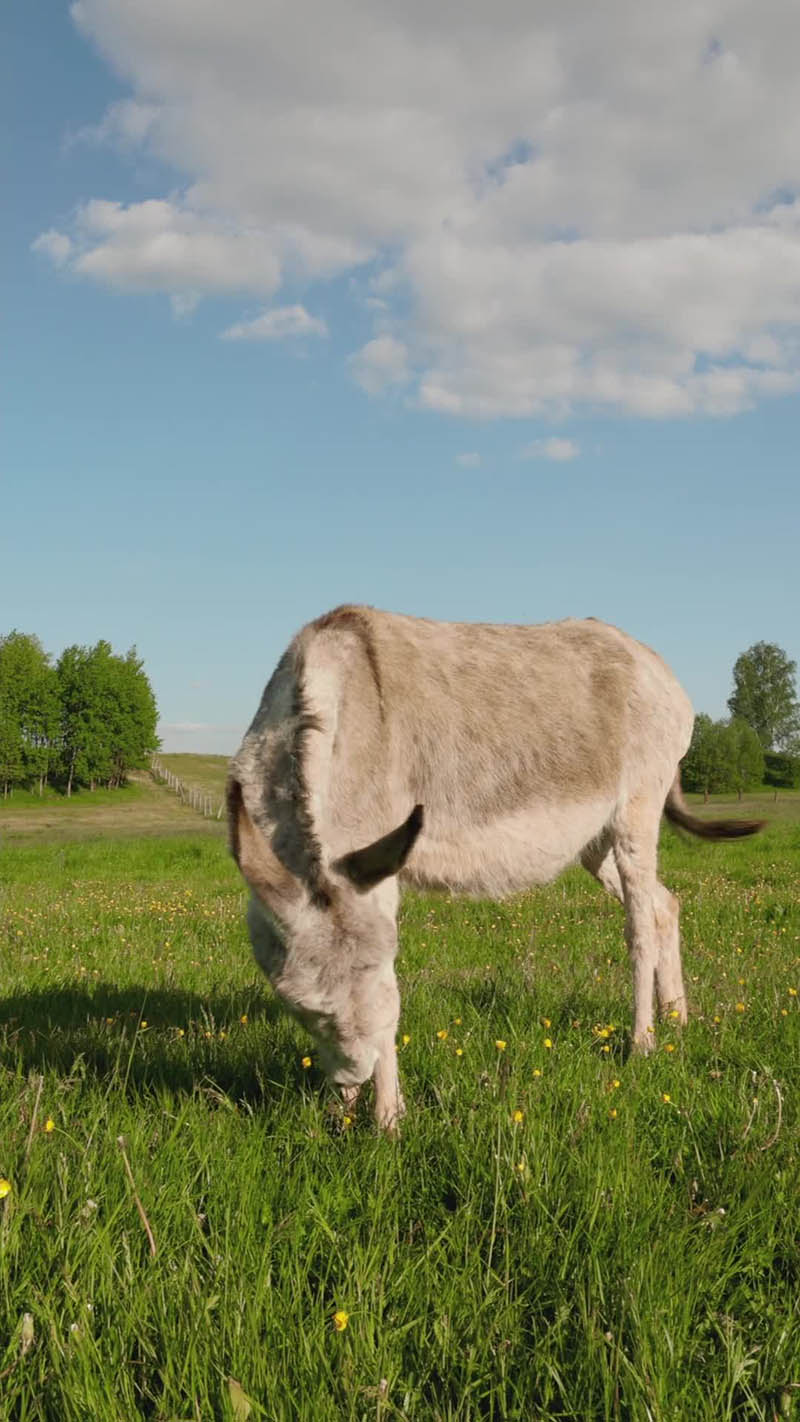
(782, 769)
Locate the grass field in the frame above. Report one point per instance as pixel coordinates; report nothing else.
(562, 1232)
(203, 772)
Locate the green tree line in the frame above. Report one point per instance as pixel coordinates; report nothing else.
(84, 721)
(759, 744)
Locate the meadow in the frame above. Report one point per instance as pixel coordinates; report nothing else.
(191, 1228)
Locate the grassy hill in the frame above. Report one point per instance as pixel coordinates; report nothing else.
(202, 772)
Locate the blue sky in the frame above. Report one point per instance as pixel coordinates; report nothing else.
(510, 398)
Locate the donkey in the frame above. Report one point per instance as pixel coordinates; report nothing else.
(469, 757)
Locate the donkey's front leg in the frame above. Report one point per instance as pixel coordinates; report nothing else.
(389, 1103)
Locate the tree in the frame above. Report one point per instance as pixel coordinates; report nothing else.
(79, 714)
(28, 711)
(764, 694)
(782, 769)
(132, 716)
(744, 756)
(705, 765)
(108, 713)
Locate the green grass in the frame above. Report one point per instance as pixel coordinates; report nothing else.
(575, 1264)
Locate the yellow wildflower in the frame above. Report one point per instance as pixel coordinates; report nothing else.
(340, 1320)
(457, 1021)
(347, 1121)
(442, 1035)
(243, 1019)
(545, 1021)
(305, 1063)
(49, 1125)
(613, 1113)
(405, 1039)
(669, 1047)
(615, 1082)
(500, 1044)
(740, 1007)
(547, 1042)
(793, 992)
(5, 1188)
(674, 1013)
(536, 1071)
(665, 1097)
(518, 1116)
(459, 1051)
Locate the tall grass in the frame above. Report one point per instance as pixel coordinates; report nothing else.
(562, 1232)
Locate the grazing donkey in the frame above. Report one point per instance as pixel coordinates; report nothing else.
(480, 759)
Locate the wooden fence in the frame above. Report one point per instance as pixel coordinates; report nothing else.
(204, 803)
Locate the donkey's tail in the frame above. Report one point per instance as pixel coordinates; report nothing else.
(677, 812)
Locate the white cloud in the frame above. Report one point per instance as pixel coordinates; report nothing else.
(470, 460)
(380, 364)
(126, 122)
(567, 205)
(276, 325)
(55, 245)
(554, 448)
(161, 245)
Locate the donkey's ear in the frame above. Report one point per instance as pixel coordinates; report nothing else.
(257, 860)
(367, 867)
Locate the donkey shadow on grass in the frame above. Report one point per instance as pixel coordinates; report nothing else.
(191, 1039)
(99, 1033)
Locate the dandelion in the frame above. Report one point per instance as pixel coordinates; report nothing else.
(143, 1024)
(457, 1021)
(500, 1044)
(717, 1021)
(548, 1043)
(605, 1049)
(340, 1320)
(784, 1013)
(613, 1113)
(615, 1083)
(405, 1039)
(243, 1019)
(674, 1014)
(459, 1051)
(49, 1125)
(669, 1047)
(305, 1063)
(443, 1034)
(545, 1021)
(665, 1097)
(5, 1188)
(518, 1116)
(536, 1071)
(740, 1007)
(347, 1121)
(793, 992)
